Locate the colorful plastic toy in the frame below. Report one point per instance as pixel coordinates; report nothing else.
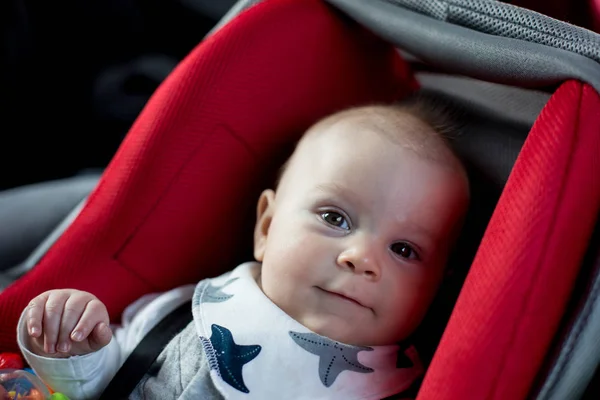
(18, 384)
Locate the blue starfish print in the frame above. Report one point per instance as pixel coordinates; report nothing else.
(227, 357)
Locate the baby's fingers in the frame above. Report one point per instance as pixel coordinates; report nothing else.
(95, 313)
(52, 316)
(100, 336)
(35, 315)
(73, 311)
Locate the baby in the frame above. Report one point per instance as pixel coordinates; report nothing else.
(350, 250)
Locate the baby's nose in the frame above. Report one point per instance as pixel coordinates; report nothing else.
(359, 262)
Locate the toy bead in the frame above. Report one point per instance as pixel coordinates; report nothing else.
(11, 361)
(58, 396)
(35, 394)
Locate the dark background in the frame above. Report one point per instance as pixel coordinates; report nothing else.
(75, 74)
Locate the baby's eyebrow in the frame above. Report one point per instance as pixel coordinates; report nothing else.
(343, 192)
(423, 233)
(335, 188)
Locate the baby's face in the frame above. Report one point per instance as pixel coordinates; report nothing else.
(354, 243)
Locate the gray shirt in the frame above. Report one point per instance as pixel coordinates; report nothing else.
(180, 372)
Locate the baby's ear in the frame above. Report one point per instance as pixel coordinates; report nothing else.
(264, 215)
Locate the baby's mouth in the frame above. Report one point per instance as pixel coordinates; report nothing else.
(342, 296)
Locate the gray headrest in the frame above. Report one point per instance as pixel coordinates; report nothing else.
(483, 39)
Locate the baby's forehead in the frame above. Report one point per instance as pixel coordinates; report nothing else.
(400, 126)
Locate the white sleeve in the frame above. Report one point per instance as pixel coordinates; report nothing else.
(86, 377)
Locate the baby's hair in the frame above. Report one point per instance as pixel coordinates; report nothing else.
(436, 111)
(432, 139)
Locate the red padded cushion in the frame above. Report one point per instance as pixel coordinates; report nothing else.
(168, 209)
(522, 276)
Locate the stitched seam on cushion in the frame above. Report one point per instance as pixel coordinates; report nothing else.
(242, 141)
(540, 262)
(133, 272)
(168, 187)
(162, 195)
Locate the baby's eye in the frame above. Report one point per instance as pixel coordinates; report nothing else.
(336, 219)
(404, 250)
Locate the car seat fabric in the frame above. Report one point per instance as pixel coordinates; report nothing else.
(580, 13)
(518, 286)
(507, 360)
(191, 167)
(26, 222)
(463, 47)
(488, 140)
(233, 12)
(494, 122)
(576, 354)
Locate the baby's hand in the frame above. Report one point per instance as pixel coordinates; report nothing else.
(67, 322)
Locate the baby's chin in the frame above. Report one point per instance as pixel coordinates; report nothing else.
(336, 328)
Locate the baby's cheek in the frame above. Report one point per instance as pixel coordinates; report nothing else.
(408, 293)
(286, 261)
(294, 247)
(424, 277)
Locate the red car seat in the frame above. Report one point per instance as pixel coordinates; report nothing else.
(180, 191)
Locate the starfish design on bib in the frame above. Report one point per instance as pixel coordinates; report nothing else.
(214, 294)
(334, 357)
(227, 357)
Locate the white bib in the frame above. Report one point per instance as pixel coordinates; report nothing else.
(256, 351)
